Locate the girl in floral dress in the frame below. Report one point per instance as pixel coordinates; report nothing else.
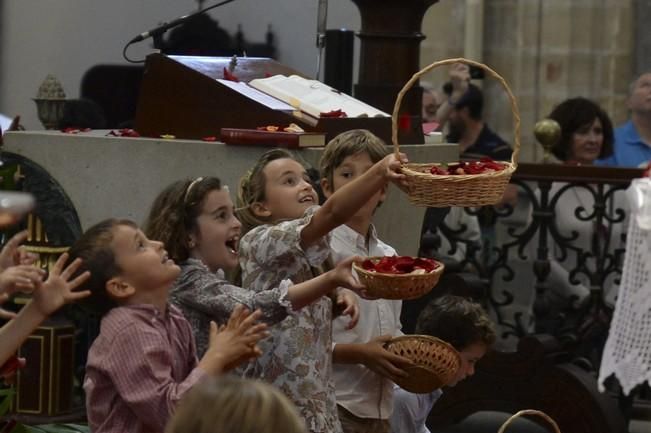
(287, 236)
(196, 222)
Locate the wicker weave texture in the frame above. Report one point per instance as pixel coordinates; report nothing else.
(398, 286)
(436, 362)
(534, 412)
(426, 189)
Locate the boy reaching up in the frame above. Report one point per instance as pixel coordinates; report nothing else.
(144, 358)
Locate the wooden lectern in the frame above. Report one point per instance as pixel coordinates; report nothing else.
(180, 95)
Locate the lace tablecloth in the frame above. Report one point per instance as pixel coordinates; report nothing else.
(627, 353)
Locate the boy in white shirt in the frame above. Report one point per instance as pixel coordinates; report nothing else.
(362, 369)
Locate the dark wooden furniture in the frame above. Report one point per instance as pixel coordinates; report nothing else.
(44, 386)
(389, 55)
(180, 95)
(537, 376)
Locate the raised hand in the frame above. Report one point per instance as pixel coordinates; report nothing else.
(13, 254)
(234, 343)
(58, 289)
(393, 169)
(460, 78)
(21, 278)
(383, 362)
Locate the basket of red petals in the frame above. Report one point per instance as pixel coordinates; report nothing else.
(435, 362)
(398, 277)
(468, 184)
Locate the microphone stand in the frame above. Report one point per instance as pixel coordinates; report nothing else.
(321, 19)
(157, 33)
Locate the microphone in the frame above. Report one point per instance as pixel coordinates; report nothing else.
(157, 31)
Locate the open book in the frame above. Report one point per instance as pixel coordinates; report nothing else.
(313, 97)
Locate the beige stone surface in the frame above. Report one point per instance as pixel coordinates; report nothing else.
(119, 177)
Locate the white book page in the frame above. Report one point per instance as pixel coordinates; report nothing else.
(263, 98)
(313, 97)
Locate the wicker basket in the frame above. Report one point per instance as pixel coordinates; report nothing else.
(426, 189)
(435, 362)
(397, 286)
(542, 415)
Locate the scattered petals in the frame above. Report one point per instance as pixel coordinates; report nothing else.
(73, 130)
(334, 113)
(228, 75)
(10, 366)
(404, 122)
(269, 128)
(167, 136)
(125, 132)
(484, 165)
(400, 265)
(210, 138)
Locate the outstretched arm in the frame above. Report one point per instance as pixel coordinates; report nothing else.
(347, 200)
(56, 291)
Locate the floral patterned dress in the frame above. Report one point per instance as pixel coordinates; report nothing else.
(297, 357)
(205, 296)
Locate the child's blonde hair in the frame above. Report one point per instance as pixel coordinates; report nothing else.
(252, 189)
(350, 143)
(230, 404)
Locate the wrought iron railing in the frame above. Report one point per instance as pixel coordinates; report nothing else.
(566, 229)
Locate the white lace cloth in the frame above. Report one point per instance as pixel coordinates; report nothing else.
(627, 354)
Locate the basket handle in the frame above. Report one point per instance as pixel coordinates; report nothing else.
(514, 105)
(530, 412)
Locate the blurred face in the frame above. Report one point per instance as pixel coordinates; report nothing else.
(351, 168)
(288, 191)
(431, 105)
(144, 263)
(587, 142)
(470, 355)
(456, 123)
(640, 99)
(216, 238)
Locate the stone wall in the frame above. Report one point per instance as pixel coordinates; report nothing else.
(548, 51)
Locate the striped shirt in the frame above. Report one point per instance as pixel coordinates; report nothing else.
(138, 368)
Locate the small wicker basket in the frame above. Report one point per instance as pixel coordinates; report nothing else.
(435, 362)
(426, 189)
(397, 286)
(542, 415)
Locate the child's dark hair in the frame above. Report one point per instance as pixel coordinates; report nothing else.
(252, 188)
(473, 99)
(456, 320)
(173, 215)
(350, 143)
(94, 248)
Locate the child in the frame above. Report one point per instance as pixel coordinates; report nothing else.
(288, 238)
(144, 358)
(195, 221)
(245, 406)
(363, 368)
(463, 324)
